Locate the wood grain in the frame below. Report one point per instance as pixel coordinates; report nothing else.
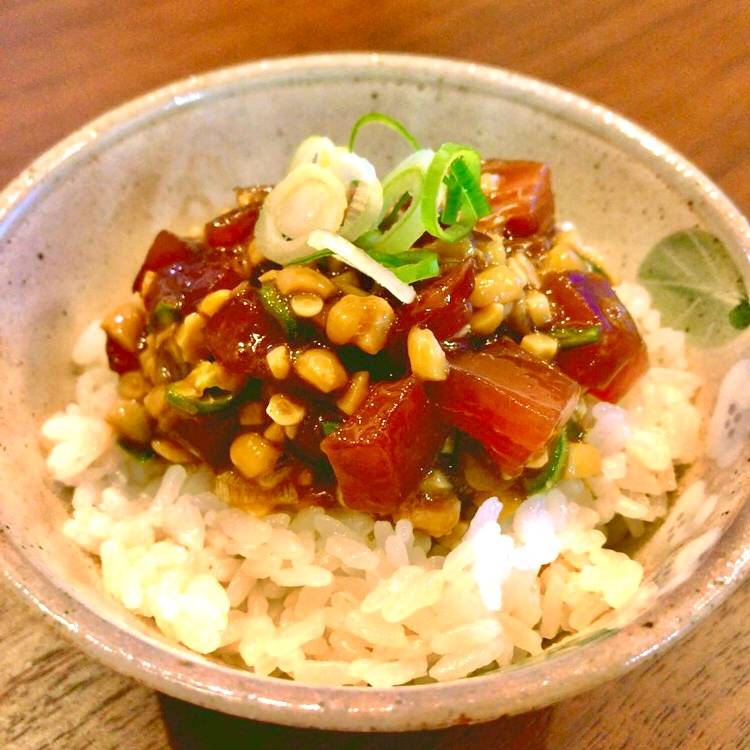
(680, 68)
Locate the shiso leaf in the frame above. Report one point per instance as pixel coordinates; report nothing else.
(696, 287)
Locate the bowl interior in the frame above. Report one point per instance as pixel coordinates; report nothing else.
(76, 227)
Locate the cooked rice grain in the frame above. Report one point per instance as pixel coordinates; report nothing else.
(337, 598)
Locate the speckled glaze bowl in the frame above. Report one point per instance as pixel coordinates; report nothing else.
(73, 230)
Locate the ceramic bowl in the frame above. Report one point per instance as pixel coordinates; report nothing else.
(73, 229)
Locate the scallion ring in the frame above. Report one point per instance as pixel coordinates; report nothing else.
(407, 179)
(357, 258)
(310, 197)
(452, 200)
(317, 149)
(379, 117)
(468, 176)
(366, 201)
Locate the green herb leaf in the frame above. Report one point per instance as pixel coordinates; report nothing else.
(696, 287)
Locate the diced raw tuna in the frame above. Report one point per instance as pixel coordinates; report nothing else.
(442, 305)
(522, 203)
(515, 404)
(184, 273)
(380, 454)
(237, 225)
(241, 333)
(609, 367)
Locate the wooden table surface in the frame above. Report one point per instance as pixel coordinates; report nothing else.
(680, 68)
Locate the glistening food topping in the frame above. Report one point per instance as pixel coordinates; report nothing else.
(374, 431)
(332, 275)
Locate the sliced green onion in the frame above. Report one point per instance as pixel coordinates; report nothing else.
(316, 149)
(569, 337)
(308, 198)
(357, 175)
(411, 266)
(390, 219)
(455, 169)
(359, 259)
(331, 198)
(452, 205)
(312, 258)
(552, 471)
(366, 200)
(406, 179)
(468, 177)
(383, 120)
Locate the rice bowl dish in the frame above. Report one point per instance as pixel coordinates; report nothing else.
(444, 580)
(311, 593)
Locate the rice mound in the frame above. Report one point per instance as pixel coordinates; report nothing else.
(335, 597)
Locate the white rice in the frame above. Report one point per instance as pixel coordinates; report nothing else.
(336, 598)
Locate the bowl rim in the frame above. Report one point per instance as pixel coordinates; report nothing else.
(509, 691)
